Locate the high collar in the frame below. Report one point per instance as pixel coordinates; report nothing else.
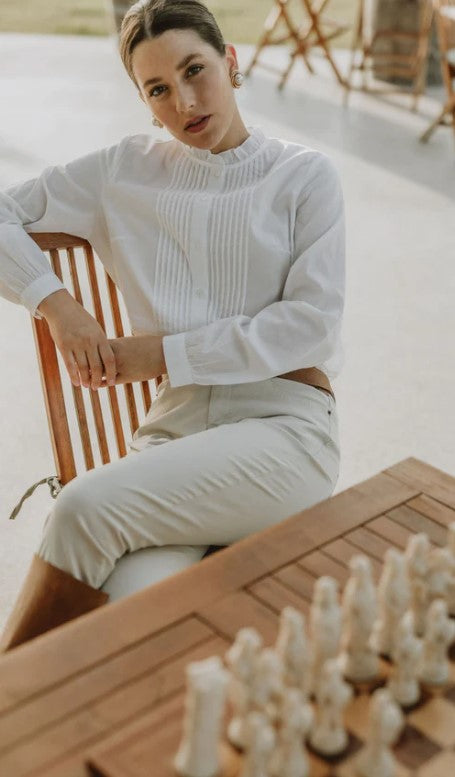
(240, 153)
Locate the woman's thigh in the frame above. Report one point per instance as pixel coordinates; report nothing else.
(209, 488)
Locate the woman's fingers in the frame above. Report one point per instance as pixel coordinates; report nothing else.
(72, 367)
(108, 359)
(83, 366)
(93, 363)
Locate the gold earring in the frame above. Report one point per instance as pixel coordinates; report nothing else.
(236, 78)
(156, 122)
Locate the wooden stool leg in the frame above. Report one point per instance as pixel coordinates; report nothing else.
(357, 42)
(448, 107)
(269, 26)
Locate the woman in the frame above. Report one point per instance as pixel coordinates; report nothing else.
(228, 248)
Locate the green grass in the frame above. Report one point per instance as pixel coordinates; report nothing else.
(241, 21)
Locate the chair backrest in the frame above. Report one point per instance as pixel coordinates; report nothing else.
(115, 412)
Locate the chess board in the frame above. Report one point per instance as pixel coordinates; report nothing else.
(104, 695)
(426, 747)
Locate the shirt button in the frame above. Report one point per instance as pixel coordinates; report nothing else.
(216, 171)
(199, 292)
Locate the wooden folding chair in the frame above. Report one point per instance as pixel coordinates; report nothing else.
(384, 63)
(111, 419)
(315, 31)
(445, 28)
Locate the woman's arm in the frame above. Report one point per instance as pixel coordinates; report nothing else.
(139, 357)
(64, 198)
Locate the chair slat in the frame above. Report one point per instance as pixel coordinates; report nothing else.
(119, 332)
(146, 396)
(54, 401)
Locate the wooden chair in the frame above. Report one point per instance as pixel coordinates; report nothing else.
(111, 419)
(315, 31)
(385, 63)
(445, 28)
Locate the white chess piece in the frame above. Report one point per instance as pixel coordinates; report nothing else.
(294, 648)
(289, 758)
(267, 683)
(358, 659)
(386, 722)
(199, 751)
(325, 624)
(240, 660)
(451, 587)
(393, 600)
(439, 635)
(406, 654)
(416, 559)
(328, 735)
(260, 740)
(440, 571)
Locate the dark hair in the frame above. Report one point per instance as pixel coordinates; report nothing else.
(149, 18)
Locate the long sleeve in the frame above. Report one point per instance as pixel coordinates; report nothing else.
(302, 329)
(62, 199)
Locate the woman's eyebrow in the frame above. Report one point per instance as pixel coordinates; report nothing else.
(180, 66)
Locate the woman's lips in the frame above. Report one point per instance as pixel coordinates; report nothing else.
(199, 127)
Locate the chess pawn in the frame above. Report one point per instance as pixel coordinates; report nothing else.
(328, 736)
(386, 722)
(440, 571)
(260, 740)
(416, 560)
(358, 659)
(289, 758)
(240, 660)
(451, 586)
(393, 599)
(406, 654)
(294, 649)
(199, 751)
(439, 635)
(325, 624)
(267, 683)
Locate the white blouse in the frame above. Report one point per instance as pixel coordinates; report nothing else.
(237, 259)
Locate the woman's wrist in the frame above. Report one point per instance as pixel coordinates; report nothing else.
(138, 357)
(55, 303)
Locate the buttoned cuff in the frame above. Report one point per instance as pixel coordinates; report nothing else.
(178, 367)
(38, 290)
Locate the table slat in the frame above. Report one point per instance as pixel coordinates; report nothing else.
(434, 482)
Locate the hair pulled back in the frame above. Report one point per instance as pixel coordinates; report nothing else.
(147, 19)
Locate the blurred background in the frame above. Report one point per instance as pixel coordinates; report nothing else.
(64, 92)
(239, 20)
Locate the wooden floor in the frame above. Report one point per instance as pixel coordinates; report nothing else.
(103, 694)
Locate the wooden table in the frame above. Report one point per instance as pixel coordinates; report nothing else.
(107, 689)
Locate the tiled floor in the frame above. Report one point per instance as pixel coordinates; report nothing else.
(62, 97)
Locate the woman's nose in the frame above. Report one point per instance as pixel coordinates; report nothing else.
(184, 100)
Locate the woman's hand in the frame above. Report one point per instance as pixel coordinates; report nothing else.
(80, 339)
(139, 357)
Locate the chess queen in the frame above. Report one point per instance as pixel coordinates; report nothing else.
(228, 247)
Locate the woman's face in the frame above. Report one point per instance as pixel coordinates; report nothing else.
(178, 87)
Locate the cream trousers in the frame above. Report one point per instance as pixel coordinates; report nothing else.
(208, 466)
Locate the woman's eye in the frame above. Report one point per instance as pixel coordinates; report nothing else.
(153, 93)
(200, 67)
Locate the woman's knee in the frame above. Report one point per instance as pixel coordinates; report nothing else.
(75, 509)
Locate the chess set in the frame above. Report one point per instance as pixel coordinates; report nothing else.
(366, 688)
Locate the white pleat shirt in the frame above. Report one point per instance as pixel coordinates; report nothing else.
(237, 259)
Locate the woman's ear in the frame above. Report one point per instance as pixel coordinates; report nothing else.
(231, 56)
